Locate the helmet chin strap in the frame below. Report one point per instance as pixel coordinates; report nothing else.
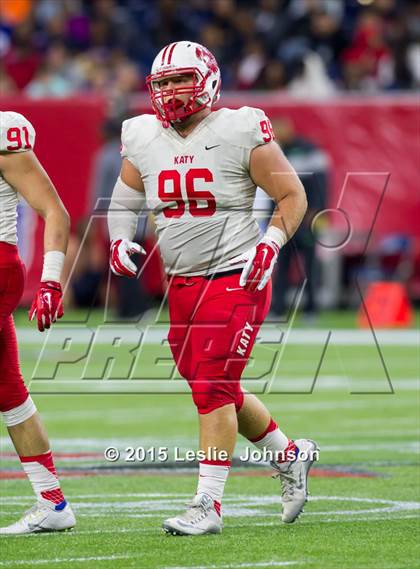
(186, 107)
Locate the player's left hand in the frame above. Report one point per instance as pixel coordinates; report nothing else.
(47, 305)
(260, 261)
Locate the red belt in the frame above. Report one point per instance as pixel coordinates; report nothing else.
(185, 279)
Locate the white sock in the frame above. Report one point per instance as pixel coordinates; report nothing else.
(212, 479)
(275, 441)
(42, 475)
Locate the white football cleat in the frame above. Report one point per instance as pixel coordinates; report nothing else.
(41, 518)
(294, 479)
(200, 518)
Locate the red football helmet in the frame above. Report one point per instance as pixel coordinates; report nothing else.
(183, 58)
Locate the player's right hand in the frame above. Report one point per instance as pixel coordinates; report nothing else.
(120, 262)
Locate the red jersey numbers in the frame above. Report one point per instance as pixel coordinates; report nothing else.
(19, 137)
(169, 190)
(194, 194)
(267, 130)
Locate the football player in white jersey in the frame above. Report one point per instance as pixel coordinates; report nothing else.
(196, 169)
(22, 174)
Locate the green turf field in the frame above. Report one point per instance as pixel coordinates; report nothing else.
(364, 507)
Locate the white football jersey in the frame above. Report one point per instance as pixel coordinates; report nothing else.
(16, 135)
(199, 188)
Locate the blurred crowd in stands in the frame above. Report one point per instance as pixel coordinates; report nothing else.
(58, 48)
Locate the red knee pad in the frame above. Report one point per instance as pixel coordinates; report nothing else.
(13, 392)
(210, 394)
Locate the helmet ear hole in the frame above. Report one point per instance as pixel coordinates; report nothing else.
(214, 84)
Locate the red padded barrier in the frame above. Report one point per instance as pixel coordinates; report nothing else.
(371, 141)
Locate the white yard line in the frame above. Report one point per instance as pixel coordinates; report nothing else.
(230, 498)
(99, 445)
(268, 333)
(239, 565)
(256, 507)
(132, 415)
(62, 560)
(116, 557)
(307, 522)
(23, 499)
(281, 385)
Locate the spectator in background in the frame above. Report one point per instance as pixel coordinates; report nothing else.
(302, 45)
(367, 62)
(107, 162)
(251, 65)
(22, 60)
(7, 85)
(412, 40)
(14, 12)
(310, 76)
(53, 78)
(131, 299)
(272, 22)
(86, 266)
(327, 39)
(311, 164)
(125, 80)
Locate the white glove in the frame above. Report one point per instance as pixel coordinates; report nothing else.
(260, 260)
(120, 262)
(259, 265)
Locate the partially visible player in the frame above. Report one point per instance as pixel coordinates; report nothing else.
(197, 169)
(22, 174)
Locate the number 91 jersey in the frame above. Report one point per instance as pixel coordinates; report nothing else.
(199, 188)
(16, 135)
